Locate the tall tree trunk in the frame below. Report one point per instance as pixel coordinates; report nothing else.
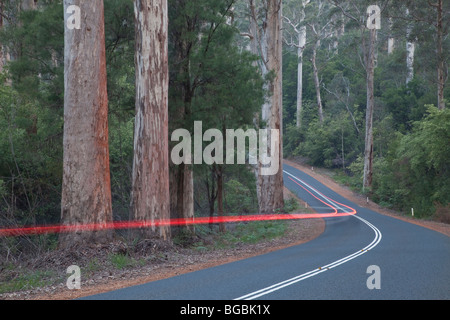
(182, 176)
(368, 151)
(300, 49)
(270, 187)
(212, 193)
(86, 190)
(2, 59)
(182, 195)
(299, 19)
(441, 70)
(317, 81)
(410, 50)
(220, 211)
(391, 39)
(150, 199)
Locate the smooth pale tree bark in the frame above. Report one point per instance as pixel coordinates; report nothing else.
(150, 198)
(300, 49)
(319, 28)
(86, 190)
(410, 50)
(299, 28)
(368, 150)
(391, 39)
(372, 23)
(269, 46)
(316, 80)
(391, 45)
(442, 72)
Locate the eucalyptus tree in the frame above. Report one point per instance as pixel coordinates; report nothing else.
(265, 34)
(86, 189)
(367, 18)
(427, 25)
(295, 36)
(150, 197)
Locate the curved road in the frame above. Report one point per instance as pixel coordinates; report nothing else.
(398, 260)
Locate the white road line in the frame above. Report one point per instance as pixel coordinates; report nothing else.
(330, 201)
(312, 273)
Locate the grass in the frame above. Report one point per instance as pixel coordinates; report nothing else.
(93, 266)
(242, 233)
(27, 281)
(340, 177)
(258, 231)
(291, 205)
(123, 261)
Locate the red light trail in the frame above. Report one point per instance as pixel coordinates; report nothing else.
(118, 225)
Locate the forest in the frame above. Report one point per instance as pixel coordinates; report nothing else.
(84, 134)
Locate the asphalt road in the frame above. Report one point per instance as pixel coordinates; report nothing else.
(359, 256)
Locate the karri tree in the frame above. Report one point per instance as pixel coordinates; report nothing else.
(86, 191)
(150, 198)
(265, 33)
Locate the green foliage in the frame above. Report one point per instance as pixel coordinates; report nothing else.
(239, 198)
(410, 144)
(26, 281)
(122, 261)
(415, 173)
(291, 205)
(293, 137)
(212, 79)
(31, 113)
(36, 41)
(252, 232)
(332, 144)
(257, 231)
(28, 164)
(31, 116)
